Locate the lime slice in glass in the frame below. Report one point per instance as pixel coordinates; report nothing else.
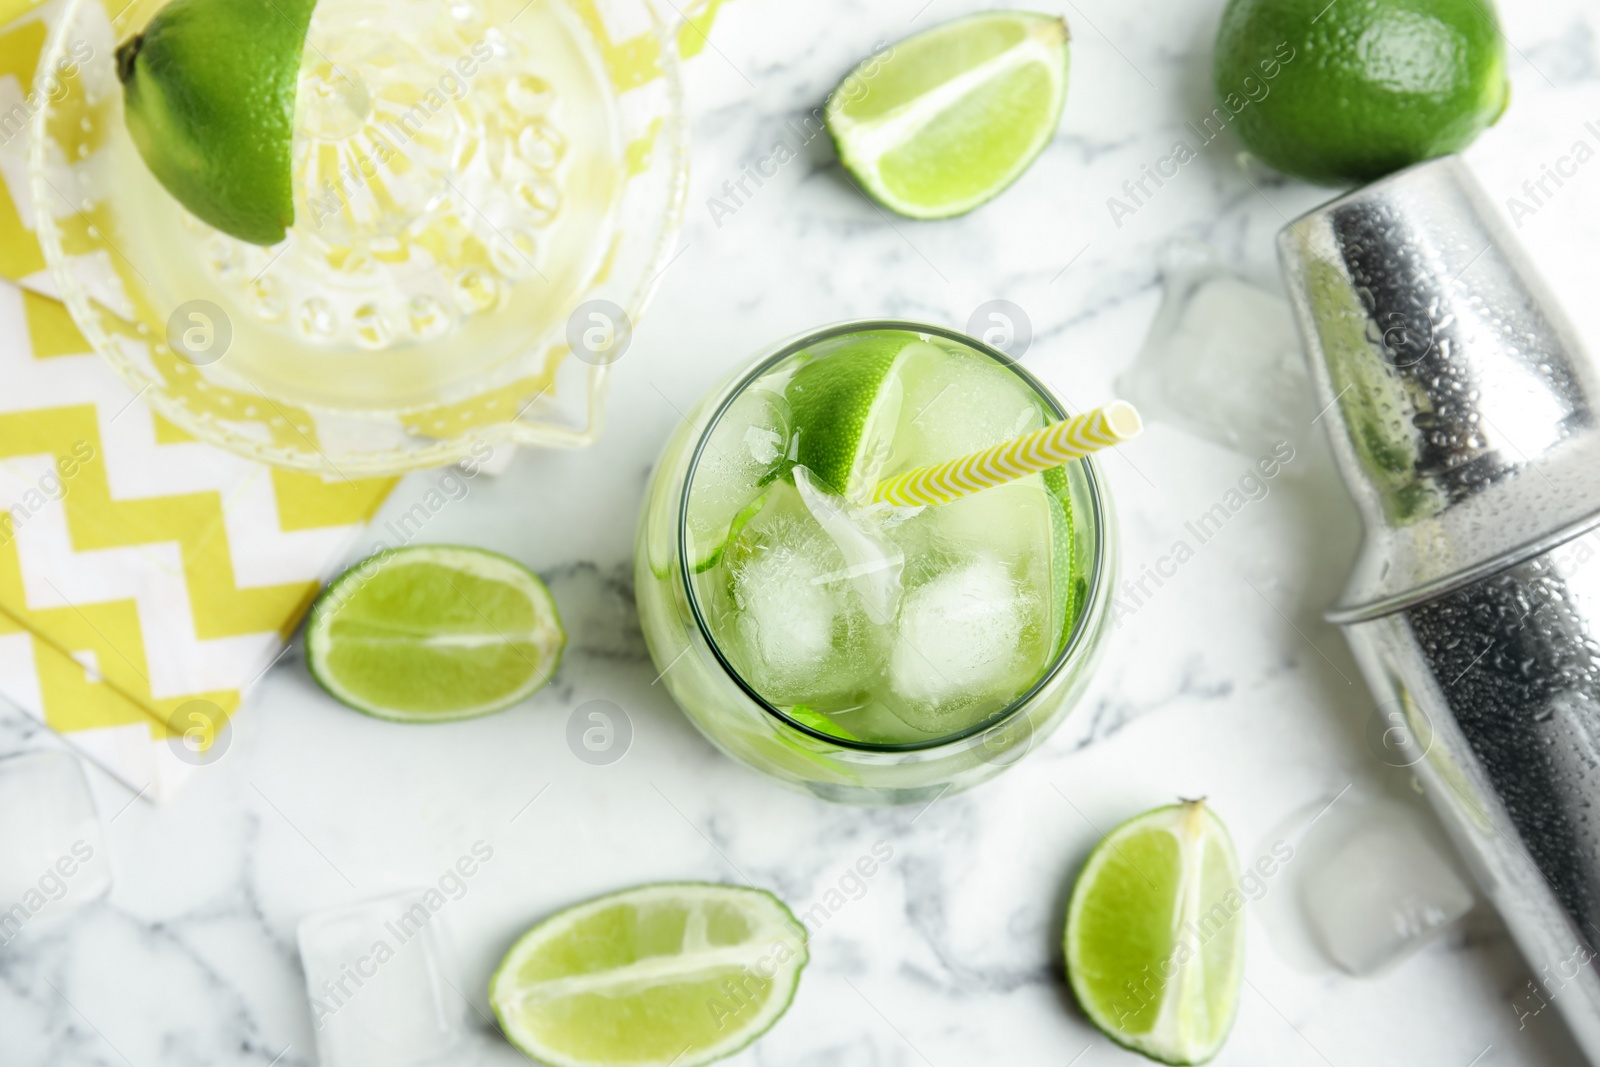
(719, 532)
(745, 451)
(433, 633)
(1066, 587)
(208, 97)
(673, 974)
(804, 713)
(947, 119)
(845, 406)
(1155, 934)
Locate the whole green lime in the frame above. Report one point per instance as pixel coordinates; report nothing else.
(1352, 90)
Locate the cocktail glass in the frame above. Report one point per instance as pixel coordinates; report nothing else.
(486, 194)
(793, 744)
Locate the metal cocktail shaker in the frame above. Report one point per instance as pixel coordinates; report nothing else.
(1462, 411)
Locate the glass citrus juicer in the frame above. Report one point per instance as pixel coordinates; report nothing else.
(484, 195)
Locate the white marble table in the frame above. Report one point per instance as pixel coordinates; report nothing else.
(951, 957)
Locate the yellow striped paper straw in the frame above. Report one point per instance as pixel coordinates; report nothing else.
(1038, 451)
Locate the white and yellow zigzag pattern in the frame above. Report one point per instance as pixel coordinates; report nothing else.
(139, 569)
(1051, 446)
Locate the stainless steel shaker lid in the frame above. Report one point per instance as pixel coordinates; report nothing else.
(1459, 401)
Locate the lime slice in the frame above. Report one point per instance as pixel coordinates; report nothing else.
(434, 633)
(745, 452)
(952, 116)
(1066, 587)
(678, 973)
(1155, 934)
(809, 716)
(713, 541)
(208, 98)
(845, 406)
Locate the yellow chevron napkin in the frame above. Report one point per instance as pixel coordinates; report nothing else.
(147, 580)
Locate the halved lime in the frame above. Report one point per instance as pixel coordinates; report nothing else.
(674, 974)
(208, 98)
(433, 633)
(949, 118)
(845, 406)
(1155, 934)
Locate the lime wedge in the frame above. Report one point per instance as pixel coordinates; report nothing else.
(673, 974)
(952, 116)
(208, 98)
(434, 633)
(1155, 934)
(845, 406)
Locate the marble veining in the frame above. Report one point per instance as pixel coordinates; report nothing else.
(1226, 683)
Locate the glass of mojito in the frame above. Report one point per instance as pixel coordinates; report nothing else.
(868, 653)
(475, 198)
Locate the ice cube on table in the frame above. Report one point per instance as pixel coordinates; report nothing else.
(957, 643)
(797, 629)
(53, 856)
(382, 983)
(1380, 892)
(1222, 358)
